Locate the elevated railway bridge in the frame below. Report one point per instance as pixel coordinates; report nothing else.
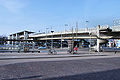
(100, 33)
(105, 33)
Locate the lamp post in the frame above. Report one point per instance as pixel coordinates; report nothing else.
(90, 41)
(52, 51)
(76, 30)
(65, 27)
(52, 40)
(87, 24)
(46, 36)
(72, 33)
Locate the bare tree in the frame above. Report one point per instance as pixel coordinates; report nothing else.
(2, 39)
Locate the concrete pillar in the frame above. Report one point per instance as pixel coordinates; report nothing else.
(16, 37)
(33, 47)
(12, 38)
(98, 41)
(9, 37)
(24, 35)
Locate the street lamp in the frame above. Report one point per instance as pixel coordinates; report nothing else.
(52, 51)
(46, 36)
(87, 24)
(65, 26)
(52, 40)
(72, 33)
(90, 41)
(76, 30)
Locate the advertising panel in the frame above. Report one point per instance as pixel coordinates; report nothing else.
(118, 43)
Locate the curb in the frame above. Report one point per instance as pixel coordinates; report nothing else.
(49, 57)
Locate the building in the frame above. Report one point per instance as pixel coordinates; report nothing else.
(23, 35)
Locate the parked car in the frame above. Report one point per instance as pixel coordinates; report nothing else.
(94, 48)
(42, 47)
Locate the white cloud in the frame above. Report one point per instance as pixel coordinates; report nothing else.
(13, 6)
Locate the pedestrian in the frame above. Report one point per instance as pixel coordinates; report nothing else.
(76, 49)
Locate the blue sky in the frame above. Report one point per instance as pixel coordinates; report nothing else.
(37, 15)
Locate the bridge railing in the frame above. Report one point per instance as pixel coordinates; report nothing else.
(83, 30)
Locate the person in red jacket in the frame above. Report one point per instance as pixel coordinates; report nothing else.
(76, 49)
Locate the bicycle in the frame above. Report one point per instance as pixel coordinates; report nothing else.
(52, 51)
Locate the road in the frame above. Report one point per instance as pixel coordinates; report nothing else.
(83, 69)
(96, 66)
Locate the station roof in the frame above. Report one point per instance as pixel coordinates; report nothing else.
(22, 32)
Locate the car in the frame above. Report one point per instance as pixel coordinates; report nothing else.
(94, 48)
(42, 47)
(85, 46)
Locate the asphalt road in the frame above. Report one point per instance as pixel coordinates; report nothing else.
(81, 69)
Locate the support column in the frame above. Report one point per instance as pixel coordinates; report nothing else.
(9, 37)
(24, 35)
(12, 38)
(33, 47)
(16, 37)
(98, 41)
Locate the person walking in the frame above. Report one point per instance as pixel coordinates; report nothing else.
(76, 49)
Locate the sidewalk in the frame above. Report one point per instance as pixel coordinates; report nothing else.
(6, 56)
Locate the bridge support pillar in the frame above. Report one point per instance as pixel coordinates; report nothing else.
(98, 35)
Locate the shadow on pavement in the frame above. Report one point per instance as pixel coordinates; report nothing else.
(23, 78)
(104, 75)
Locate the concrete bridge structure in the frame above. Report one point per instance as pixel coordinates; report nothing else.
(100, 33)
(90, 33)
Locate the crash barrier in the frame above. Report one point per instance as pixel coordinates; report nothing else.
(16, 48)
(11, 51)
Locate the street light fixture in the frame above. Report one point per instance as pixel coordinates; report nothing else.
(52, 51)
(87, 24)
(65, 26)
